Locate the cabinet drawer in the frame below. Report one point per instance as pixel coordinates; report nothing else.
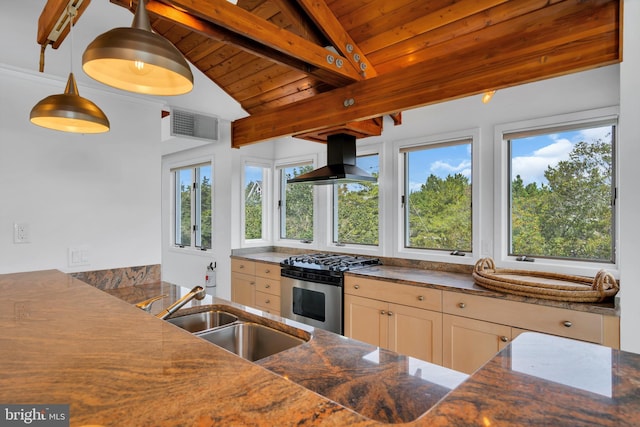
(414, 296)
(557, 321)
(268, 286)
(268, 271)
(267, 301)
(243, 266)
(238, 278)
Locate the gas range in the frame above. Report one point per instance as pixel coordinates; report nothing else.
(328, 262)
(323, 267)
(312, 287)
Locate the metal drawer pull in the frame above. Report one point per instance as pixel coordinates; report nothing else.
(268, 301)
(390, 313)
(420, 298)
(462, 305)
(267, 271)
(356, 286)
(241, 265)
(267, 286)
(504, 339)
(382, 313)
(567, 324)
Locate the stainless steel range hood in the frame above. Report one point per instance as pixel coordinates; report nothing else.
(341, 164)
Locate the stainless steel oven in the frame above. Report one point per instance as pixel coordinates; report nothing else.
(312, 303)
(312, 288)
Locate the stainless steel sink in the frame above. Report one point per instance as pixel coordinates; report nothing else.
(251, 341)
(205, 320)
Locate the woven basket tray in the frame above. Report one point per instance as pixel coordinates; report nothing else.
(551, 286)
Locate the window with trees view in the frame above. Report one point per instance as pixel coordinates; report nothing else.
(255, 180)
(437, 196)
(562, 192)
(355, 213)
(295, 204)
(193, 206)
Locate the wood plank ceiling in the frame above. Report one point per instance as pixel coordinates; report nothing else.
(271, 55)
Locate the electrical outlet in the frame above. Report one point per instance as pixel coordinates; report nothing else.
(20, 233)
(78, 256)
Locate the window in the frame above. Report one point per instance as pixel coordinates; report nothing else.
(437, 196)
(296, 204)
(562, 192)
(255, 218)
(356, 210)
(193, 206)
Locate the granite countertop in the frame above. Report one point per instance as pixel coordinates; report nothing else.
(446, 281)
(63, 341)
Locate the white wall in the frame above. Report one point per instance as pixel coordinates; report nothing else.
(96, 191)
(629, 196)
(102, 192)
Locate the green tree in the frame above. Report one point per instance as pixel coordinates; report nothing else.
(358, 213)
(253, 210)
(440, 214)
(572, 216)
(206, 227)
(298, 206)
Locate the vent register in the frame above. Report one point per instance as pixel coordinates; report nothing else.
(193, 125)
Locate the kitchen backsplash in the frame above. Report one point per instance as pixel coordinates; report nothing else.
(121, 277)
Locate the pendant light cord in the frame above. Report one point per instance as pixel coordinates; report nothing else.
(72, 13)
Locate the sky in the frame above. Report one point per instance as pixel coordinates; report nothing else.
(533, 155)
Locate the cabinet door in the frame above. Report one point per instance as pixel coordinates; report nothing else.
(415, 332)
(468, 343)
(366, 320)
(243, 289)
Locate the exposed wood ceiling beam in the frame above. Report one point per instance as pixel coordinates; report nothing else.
(413, 87)
(238, 20)
(335, 32)
(590, 38)
(215, 32)
(53, 24)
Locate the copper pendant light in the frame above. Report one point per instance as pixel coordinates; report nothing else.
(69, 112)
(137, 60)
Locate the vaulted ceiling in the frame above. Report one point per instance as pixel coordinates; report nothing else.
(272, 56)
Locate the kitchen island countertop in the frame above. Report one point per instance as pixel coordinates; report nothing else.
(63, 341)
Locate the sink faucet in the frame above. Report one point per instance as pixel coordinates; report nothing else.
(146, 304)
(197, 292)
